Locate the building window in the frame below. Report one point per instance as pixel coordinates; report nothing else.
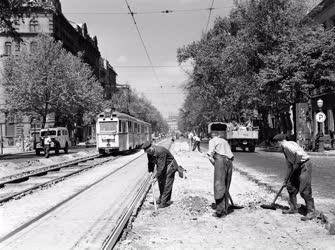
(33, 47)
(33, 25)
(17, 46)
(8, 48)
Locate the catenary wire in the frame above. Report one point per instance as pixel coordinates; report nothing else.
(142, 41)
(167, 11)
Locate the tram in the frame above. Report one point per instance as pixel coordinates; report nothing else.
(117, 132)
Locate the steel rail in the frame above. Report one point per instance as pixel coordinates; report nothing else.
(113, 238)
(52, 181)
(124, 218)
(36, 172)
(28, 223)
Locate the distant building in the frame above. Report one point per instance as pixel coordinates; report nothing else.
(172, 121)
(48, 18)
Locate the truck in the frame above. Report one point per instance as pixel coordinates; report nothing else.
(236, 135)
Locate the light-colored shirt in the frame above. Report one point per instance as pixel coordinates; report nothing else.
(196, 138)
(294, 154)
(190, 135)
(220, 146)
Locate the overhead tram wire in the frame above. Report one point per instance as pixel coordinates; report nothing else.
(167, 11)
(209, 15)
(142, 41)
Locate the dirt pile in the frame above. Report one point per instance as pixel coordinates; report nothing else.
(194, 205)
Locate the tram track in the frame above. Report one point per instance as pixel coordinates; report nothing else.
(53, 208)
(25, 182)
(135, 199)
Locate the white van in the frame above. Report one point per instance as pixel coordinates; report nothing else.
(55, 138)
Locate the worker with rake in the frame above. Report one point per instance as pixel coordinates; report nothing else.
(298, 177)
(166, 168)
(220, 155)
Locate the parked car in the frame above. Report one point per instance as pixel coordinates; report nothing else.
(53, 139)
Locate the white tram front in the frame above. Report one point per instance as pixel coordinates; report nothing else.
(120, 132)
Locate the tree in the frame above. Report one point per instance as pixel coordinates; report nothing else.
(229, 58)
(50, 79)
(128, 101)
(303, 62)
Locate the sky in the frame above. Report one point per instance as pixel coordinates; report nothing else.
(162, 35)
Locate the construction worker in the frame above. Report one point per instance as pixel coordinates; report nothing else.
(220, 155)
(196, 144)
(166, 168)
(298, 177)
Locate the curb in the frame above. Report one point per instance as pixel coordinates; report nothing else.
(329, 225)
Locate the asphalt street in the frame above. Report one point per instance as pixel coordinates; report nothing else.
(272, 167)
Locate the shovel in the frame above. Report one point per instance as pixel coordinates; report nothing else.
(232, 203)
(153, 195)
(273, 204)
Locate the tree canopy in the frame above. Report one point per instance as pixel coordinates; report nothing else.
(265, 54)
(49, 79)
(129, 101)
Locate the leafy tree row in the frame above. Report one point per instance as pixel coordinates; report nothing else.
(129, 101)
(49, 80)
(264, 55)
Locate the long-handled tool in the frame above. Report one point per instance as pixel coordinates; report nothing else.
(273, 204)
(153, 194)
(232, 203)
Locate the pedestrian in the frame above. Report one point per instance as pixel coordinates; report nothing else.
(196, 144)
(190, 139)
(166, 169)
(220, 155)
(298, 177)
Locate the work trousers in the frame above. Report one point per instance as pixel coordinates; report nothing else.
(301, 182)
(196, 145)
(223, 168)
(165, 184)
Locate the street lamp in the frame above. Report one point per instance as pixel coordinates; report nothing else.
(320, 118)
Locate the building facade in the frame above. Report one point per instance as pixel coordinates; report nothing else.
(48, 18)
(172, 122)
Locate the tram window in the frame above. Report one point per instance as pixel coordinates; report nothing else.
(120, 127)
(124, 127)
(108, 126)
(59, 133)
(130, 130)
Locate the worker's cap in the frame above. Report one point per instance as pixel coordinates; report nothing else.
(146, 145)
(279, 137)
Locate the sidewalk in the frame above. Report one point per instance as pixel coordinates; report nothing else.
(13, 150)
(188, 222)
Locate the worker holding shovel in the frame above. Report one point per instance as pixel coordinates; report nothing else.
(220, 155)
(166, 168)
(299, 176)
